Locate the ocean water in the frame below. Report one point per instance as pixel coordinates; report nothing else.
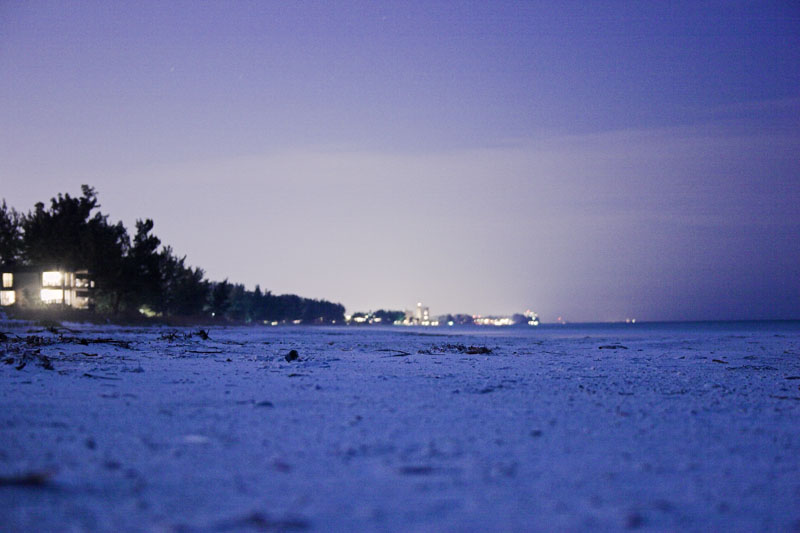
(599, 330)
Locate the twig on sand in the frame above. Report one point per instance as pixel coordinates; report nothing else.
(113, 342)
(397, 353)
(95, 376)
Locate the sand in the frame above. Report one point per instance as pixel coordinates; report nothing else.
(683, 427)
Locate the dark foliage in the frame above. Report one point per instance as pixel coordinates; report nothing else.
(236, 303)
(140, 275)
(10, 235)
(389, 317)
(461, 319)
(67, 235)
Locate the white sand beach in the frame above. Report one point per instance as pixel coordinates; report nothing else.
(681, 427)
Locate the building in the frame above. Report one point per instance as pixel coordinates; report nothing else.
(32, 286)
(421, 316)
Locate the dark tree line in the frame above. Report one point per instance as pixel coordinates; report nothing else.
(139, 273)
(389, 317)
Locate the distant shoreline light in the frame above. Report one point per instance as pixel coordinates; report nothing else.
(421, 316)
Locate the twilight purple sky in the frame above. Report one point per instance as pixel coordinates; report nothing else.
(591, 160)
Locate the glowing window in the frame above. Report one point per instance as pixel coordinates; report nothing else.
(7, 297)
(52, 296)
(51, 279)
(8, 280)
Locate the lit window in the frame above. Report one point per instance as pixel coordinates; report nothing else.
(7, 297)
(8, 280)
(51, 279)
(52, 296)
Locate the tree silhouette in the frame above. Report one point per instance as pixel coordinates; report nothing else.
(10, 235)
(72, 233)
(142, 278)
(67, 235)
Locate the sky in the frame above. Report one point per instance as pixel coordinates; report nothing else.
(592, 161)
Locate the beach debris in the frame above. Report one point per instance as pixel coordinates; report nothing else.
(33, 478)
(291, 356)
(32, 355)
(612, 347)
(95, 376)
(397, 353)
(264, 403)
(719, 361)
(175, 335)
(83, 341)
(476, 350)
(169, 336)
(36, 340)
(459, 348)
